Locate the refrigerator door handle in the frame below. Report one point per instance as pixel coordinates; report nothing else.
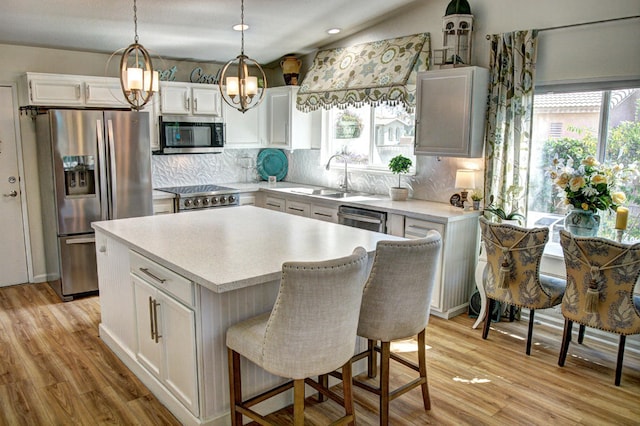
(113, 207)
(87, 240)
(104, 212)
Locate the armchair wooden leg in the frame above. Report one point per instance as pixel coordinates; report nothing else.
(235, 386)
(384, 382)
(581, 333)
(422, 363)
(623, 339)
(487, 318)
(372, 364)
(530, 331)
(298, 402)
(566, 338)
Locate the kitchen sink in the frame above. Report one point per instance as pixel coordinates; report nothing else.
(346, 194)
(323, 192)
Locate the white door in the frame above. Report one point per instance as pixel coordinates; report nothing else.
(13, 257)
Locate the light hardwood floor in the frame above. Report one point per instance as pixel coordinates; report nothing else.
(54, 369)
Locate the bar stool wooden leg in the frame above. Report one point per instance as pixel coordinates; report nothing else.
(235, 386)
(348, 392)
(372, 364)
(298, 402)
(323, 380)
(384, 382)
(422, 363)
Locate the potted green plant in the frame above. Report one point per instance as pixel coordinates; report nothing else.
(399, 165)
(476, 197)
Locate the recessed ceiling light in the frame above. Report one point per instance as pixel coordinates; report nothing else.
(333, 31)
(240, 27)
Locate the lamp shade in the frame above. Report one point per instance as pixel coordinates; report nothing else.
(465, 179)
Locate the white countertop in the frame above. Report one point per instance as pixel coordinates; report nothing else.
(419, 209)
(230, 248)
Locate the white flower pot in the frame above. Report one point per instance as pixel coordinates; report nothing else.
(398, 194)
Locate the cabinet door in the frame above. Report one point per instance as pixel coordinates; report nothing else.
(450, 112)
(206, 100)
(242, 130)
(163, 206)
(416, 228)
(149, 351)
(278, 124)
(175, 98)
(178, 333)
(58, 91)
(105, 92)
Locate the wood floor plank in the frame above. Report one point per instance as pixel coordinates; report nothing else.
(55, 369)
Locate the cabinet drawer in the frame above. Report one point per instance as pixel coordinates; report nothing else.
(274, 204)
(416, 228)
(328, 214)
(162, 278)
(299, 209)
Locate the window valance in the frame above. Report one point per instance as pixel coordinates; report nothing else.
(369, 73)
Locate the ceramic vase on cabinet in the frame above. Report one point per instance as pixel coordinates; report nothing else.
(398, 194)
(290, 70)
(582, 223)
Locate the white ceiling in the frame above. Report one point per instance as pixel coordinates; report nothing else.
(189, 29)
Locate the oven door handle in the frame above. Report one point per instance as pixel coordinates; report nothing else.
(360, 218)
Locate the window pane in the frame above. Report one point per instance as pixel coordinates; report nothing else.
(567, 125)
(371, 136)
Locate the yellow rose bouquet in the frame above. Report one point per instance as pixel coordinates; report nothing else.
(590, 186)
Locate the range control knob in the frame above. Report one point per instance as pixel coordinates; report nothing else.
(187, 203)
(223, 199)
(232, 199)
(214, 200)
(196, 202)
(205, 201)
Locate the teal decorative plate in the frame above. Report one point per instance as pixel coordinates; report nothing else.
(272, 162)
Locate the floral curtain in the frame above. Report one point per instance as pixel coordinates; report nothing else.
(367, 73)
(512, 68)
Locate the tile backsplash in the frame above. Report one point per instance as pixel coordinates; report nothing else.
(434, 180)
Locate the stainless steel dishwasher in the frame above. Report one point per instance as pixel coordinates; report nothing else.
(362, 218)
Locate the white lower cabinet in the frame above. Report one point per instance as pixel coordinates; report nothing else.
(166, 329)
(455, 274)
(163, 206)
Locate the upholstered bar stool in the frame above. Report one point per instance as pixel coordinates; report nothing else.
(601, 276)
(310, 331)
(395, 305)
(512, 274)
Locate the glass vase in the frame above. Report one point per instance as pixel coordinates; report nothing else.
(582, 223)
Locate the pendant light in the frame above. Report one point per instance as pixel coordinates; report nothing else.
(238, 90)
(137, 78)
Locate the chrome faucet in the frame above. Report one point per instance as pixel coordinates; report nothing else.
(345, 185)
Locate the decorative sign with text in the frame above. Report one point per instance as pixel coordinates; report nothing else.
(198, 76)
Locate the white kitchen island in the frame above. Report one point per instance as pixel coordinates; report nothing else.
(171, 285)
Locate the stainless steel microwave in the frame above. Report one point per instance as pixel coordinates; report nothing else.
(191, 135)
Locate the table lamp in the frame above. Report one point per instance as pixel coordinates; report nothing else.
(465, 180)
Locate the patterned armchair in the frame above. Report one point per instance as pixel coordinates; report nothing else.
(601, 276)
(512, 274)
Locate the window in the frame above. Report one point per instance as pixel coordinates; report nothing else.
(602, 123)
(369, 136)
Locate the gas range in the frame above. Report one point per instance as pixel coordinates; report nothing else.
(195, 197)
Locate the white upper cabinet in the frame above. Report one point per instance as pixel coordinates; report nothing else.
(287, 127)
(190, 98)
(243, 130)
(53, 90)
(450, 112)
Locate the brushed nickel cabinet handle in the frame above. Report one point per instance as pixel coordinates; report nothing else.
(151, 275)
(153, 332)
(155, 318)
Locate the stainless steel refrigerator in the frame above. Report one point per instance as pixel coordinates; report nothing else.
(93, 165)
